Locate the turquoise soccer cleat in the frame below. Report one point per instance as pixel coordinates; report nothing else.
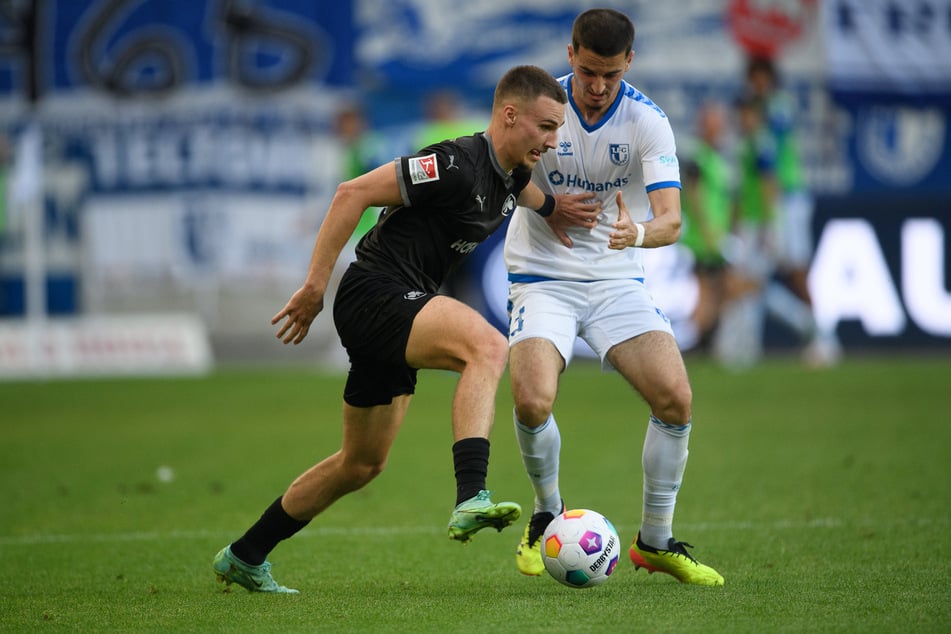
(229, 569)
(480, 512)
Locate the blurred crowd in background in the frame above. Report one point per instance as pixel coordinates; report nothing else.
(173, 157)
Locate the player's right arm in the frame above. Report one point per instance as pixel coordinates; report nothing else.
(377, 188)
(571, 210)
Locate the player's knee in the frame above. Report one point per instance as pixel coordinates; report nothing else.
(532, 404)
(363, 472)
(533, 411)
(674, 405)
(491, 350)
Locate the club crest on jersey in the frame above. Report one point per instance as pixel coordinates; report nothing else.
(620, 153)
(509, 205)
(423, 169)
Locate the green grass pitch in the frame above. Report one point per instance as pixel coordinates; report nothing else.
(822, 497)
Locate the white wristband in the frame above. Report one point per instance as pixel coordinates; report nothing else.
(639, 241)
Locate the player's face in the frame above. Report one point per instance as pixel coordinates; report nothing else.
(537, 129)
(596, 79)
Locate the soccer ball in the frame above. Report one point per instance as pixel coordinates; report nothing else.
(580, 548)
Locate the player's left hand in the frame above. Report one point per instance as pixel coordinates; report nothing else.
(625, 233)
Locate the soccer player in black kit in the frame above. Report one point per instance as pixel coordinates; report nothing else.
(439, 205)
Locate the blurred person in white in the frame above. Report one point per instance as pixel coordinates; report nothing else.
(792, 223)
(751, 247)
(615, 141)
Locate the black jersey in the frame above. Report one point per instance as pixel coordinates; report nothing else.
(455, 194)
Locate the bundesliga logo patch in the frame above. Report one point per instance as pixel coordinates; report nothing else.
(423, 169)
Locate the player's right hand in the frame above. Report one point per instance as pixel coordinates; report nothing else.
(300, 310)
(573, 210)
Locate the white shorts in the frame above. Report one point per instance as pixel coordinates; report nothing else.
(603, 314)
(794, 240)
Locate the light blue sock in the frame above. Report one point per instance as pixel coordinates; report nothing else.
(664, 459)
(541, 448)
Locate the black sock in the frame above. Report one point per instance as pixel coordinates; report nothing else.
(273, 526)
(471, 459)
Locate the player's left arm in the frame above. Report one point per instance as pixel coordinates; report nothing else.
(659, 231)
(657, 149)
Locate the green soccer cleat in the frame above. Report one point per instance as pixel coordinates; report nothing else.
(675, 561)
(229, 569)
(479, 512)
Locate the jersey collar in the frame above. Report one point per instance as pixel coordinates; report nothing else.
(622, 89)
(506, 176)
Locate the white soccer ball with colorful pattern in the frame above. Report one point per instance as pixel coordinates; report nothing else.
(580, 548)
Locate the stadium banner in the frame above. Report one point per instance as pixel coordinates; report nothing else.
(889, 47)
(138, 344)
(881, 274)
(200, 129)
(154, 48)
(895, 146)
(889, 72)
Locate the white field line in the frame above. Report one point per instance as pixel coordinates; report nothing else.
(317, 531)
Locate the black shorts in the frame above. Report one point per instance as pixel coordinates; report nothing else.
(711, 264)
(373, 314)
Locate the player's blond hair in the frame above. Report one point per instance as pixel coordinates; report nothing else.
(526, 84)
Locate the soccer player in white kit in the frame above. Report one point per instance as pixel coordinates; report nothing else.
(617, 145)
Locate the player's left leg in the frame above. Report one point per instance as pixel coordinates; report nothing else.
(652, 364)
(448, 335)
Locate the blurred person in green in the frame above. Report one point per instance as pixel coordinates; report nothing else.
(445, 118)
(707, 205)
(363, 149)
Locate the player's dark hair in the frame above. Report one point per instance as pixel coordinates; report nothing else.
(528, 83)
(604, 32)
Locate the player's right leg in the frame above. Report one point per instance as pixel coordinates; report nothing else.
(534, 366)
(368, 434)
(541, 337)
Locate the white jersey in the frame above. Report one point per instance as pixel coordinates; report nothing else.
(631, 149)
